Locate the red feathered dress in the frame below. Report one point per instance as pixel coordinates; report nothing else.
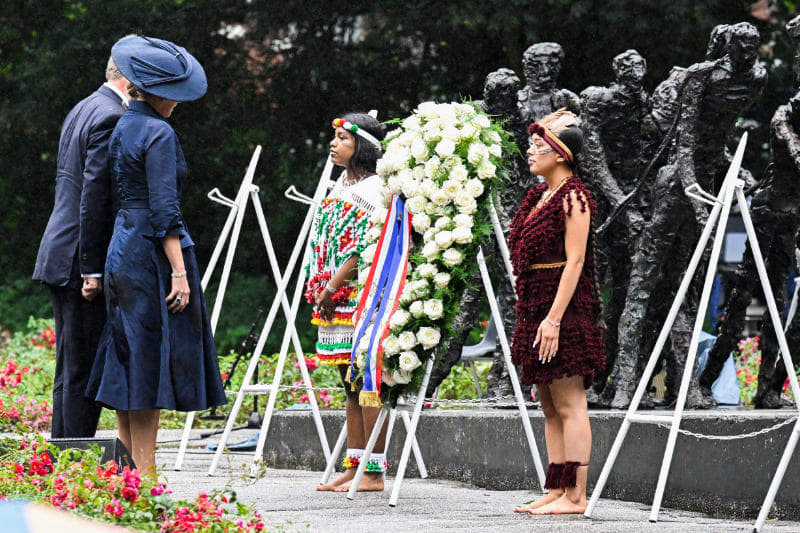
(537, 254)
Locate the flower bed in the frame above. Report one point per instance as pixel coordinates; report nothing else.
(748, 362)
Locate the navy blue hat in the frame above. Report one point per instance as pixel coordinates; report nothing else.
(160, 67)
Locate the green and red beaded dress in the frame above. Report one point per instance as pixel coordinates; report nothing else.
(339, 231)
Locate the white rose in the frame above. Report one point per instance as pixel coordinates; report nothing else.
(440, 197)
(477, 153)
(468, 131)
(474, 187)
(400, 377)
(407, 340)
(444, 239)
(382, 167)
(433, 308)
(416, 204)
(459, 173)
(443, 222)
(451, 187)
(440, 280)
(369, 252)
(429, 235)
(445, 148)
(399, 319)
(410, 186)
(412, 123)
(416, 308)
(462, 235)
(374, 234)
(452, 257)
(418, 288)
(432, 167)
(451, 133)
(361, 359)
(408, 360)
(482, 121)
(427, 186)
(430, 251)
(428, 110)
(496, 150)
(447, 114)
(433, 209)
(393, 134)
(493, 137)
(486, 170)
(406, 295)
(379, 215)
(418, 172)
(421, 222)
(467, 208)
(391, 345)
(462, 220)
(393, 184)
(464, 109)
(419, 150)
(462, 198)
(407, 138)
(427, 270)
(428, 337)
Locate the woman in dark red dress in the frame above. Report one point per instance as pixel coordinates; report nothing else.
(558, 339)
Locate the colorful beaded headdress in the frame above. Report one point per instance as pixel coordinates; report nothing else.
(550, 138)
(353, 128)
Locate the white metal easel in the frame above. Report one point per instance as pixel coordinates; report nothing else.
(721, 207)
(417, 405)
(249, 192)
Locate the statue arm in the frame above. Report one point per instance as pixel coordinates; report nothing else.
(687, 138)
(783, 133)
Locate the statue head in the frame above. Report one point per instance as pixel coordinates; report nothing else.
(718, 42)
(500, 91)
(629, 68)
(743, 45)
(542, 65)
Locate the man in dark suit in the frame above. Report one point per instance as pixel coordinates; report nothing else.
(73, 250)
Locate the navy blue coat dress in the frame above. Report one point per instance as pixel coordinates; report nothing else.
(149, 358)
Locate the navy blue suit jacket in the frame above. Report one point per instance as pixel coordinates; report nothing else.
(76, 238)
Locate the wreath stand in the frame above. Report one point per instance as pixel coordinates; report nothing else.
(722, 204)
(249, 193)
(416, 406)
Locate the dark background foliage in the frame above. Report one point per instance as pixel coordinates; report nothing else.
(279, 71)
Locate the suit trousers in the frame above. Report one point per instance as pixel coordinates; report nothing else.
(79, 324)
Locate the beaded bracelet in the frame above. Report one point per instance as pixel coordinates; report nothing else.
(176, 275)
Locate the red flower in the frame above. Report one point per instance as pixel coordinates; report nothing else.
(115, 508)
(131, 494)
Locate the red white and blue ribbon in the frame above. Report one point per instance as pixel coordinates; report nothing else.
(381, 297)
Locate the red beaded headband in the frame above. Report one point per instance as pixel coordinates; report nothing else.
(550, 138)
(353, 128)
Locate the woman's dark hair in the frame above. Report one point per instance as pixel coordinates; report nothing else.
(366, 154)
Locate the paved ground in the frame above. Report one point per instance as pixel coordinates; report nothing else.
(289, 502)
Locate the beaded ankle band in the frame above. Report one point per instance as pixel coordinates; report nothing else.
(377, 464)
(352, 458)
(353, 128)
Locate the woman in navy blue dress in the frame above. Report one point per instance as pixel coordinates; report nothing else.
(157, 350)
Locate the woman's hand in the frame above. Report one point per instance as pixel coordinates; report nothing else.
(325, 305)
(178, 298)
(547, 338)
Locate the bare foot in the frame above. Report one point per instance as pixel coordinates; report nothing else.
(369, 483)
(344, 478)
(563, 505)
(550, 496)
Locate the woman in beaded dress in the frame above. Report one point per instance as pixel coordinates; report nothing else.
(338, 236)
(558, 338)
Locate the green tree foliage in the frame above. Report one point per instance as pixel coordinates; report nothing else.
(279, 71)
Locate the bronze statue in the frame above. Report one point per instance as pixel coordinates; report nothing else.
(712, 94)
(612, 119)
(775, 209)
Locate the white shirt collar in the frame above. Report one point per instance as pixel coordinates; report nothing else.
(121, 94)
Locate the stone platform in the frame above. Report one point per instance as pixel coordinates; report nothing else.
(487, 448)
